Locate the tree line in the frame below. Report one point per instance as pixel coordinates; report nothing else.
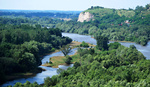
(31, 14)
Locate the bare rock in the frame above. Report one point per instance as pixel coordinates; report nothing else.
(85, 16)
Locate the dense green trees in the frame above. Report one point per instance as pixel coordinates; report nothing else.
(115, 45)
(19, 36)
(22, 45)
(102, 42)
(137, 30)
(118, 66)
(106, 69)
(27, 84)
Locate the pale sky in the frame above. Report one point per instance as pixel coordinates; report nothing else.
(77, 5)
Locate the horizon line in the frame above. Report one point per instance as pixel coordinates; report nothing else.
(39, 10)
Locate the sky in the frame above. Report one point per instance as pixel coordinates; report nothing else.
(69, 5)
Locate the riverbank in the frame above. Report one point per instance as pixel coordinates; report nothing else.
(120, 41)
(59, 60)
(123, 41)
(77, 44)
(14, 76)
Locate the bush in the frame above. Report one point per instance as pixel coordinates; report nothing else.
(114, 45)
(68, 57)
(68, 60)
(50, 62)
(76, 64)
(84, 44)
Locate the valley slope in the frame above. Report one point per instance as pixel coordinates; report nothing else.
(116, 24)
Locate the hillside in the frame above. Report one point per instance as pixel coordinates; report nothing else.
(101, 11)
(98, 11)
(116, 24)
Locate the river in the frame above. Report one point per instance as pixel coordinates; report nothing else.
(39, 78)
(143, 49)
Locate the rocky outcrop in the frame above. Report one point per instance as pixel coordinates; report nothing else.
(85, 16)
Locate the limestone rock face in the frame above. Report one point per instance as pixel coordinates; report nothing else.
(86, 16)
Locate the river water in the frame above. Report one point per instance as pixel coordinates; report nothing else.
(39, 78)
(143, 49)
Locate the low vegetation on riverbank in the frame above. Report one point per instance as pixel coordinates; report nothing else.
(60, 60)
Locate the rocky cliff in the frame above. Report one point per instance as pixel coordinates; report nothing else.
(85, 16)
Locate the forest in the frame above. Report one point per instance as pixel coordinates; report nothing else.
(22, 46)
(115, 66)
